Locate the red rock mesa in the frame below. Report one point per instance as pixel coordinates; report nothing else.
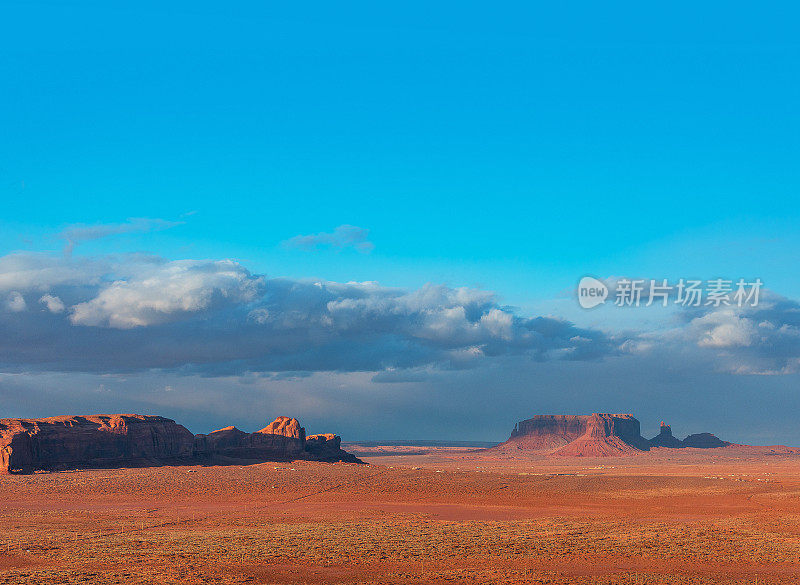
(115, 439)
(595, 435)
(607, 435)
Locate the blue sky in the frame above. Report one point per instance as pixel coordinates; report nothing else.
(511, 148)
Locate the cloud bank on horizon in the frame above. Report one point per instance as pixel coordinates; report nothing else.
(130, 313)
(139, 312)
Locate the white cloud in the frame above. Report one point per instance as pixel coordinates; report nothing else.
(26, 271)
(500, 324)
(344, 236)
(168, 292)
(15, 302)
(749, 340)
(78, 233)
(53, 303)
(215, 317)
(725, 329)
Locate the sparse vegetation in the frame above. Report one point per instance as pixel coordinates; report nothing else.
(320, 523)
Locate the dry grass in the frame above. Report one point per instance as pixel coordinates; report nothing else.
(318, 523)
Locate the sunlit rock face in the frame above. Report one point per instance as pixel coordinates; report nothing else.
(283, 439)
(109, 440)
(598, 435)
(104, 439)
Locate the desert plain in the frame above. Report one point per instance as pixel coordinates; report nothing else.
(413, 515)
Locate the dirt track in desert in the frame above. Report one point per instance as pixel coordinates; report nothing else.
(443, 516)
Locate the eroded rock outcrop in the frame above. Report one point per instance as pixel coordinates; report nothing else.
(665, 438)
(698, 440)
(328, 447)
(105, 439)
(131, 439)
(285, 426)
(282, 440)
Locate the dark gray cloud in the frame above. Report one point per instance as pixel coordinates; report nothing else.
(135, 313)
(395, 376)
(216, 318)
(479, 404)
(211, 344)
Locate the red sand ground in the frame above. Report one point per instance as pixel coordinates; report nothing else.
(669, 516)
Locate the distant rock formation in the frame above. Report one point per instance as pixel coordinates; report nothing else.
(328, 447)
(116, 439)
(595, 435)
(704, 441)
(665, 438)
(698, 440)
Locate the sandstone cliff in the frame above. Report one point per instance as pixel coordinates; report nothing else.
(595, 435)
(130, 439)
(104, 439)
(545, 432)
(607, 435)
(285, 426)
(281, 440)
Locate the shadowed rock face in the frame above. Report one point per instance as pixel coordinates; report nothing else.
(219, 441)
(547, 431)
(607, 435)
(665, 438)
(698, 440)
(119, 439)
(704, 441)
(596, 435)
(327, 447)
(108, 439)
